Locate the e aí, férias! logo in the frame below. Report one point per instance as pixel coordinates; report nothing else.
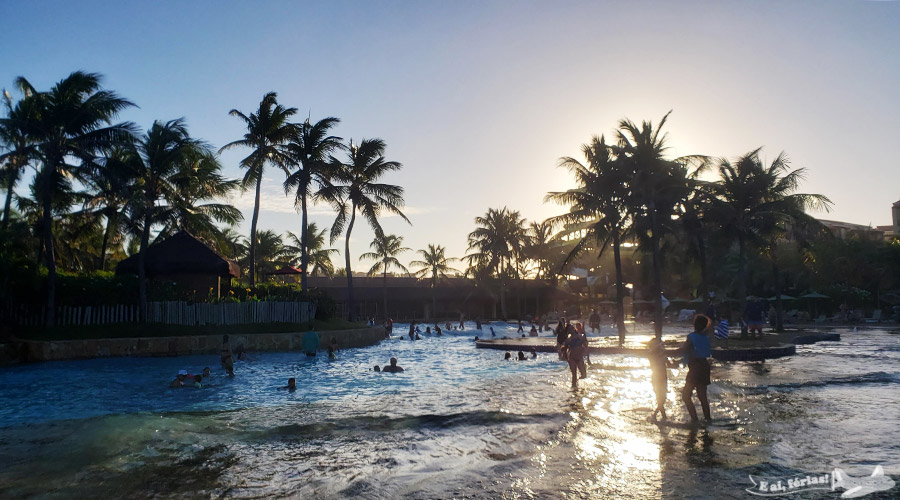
(854, 487)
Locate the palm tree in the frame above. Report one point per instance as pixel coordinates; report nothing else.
(267, 130)
(197, 183)
(436, 264)
(111, 180)
(386, 248)
(361, 190)
(309, 149)
(495, 243)
(157, 158)
(271, 252)
(599, 207)
(658, 188)
(755, 204)
(696, 223)
(538, 247)
(15, 139)
(319, 256)
(71, 120)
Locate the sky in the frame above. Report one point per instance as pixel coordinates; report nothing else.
(479, 99)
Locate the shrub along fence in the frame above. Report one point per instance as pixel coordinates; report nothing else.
(169, 313)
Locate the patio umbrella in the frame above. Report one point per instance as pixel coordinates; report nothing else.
(814, 295)
(783, 297)
(698, 300)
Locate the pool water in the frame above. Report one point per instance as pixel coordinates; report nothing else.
(458, 423)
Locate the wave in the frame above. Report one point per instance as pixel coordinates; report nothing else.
(429, 421)
(868, 378)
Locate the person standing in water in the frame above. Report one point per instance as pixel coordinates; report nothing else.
(575, 349)
(697, 351)
(656, 354)
(594, 321)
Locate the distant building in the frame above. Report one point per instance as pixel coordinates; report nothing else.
(847, 230)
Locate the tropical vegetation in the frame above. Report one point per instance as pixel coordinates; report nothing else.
(84, 190)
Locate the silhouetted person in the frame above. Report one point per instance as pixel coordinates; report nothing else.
(393, 368)
(696, 351)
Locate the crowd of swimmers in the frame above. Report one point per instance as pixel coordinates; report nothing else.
(571, 346)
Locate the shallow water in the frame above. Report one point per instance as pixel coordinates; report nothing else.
(459, 423)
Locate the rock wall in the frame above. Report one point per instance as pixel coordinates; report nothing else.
(31, 350)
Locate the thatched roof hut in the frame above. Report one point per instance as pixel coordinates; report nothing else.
(185, 260)
(181, 253)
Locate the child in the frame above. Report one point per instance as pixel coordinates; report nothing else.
(697, 351)
(198, 379)
(659, 376)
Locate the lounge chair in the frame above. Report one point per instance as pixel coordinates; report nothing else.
(876, 317)
(821, 319)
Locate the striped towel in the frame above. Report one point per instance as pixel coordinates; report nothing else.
(722, 330)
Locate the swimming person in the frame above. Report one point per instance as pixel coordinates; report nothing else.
(291, 386)
(533, 332)
(492, 332)
(331, 355)
(179, 379)
(376, 369)
(207, 373)
(393, 368)
(533, 353)
(507, 356)
(428, 330)
(658, 376)
(696, 351)
(228, 364)
(521, 328)
(412, 330)
(576, 347)
(521, 356)
(198, 379)
(226, 350)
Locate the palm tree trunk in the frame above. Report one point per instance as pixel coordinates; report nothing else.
(502, 290)
(8, 202)
(110, 219)
(434, 295)
(779, 305)
(384, 288)
(620, 288)
(657, 273)
(704, 277)
(350, 313)
(304, 250)
(142, 266)
(47, 232)
(742, 277)
(253, 231)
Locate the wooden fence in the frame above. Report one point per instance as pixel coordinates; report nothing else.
(169, 313)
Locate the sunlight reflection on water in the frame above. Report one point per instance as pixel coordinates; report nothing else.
(459, 423)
